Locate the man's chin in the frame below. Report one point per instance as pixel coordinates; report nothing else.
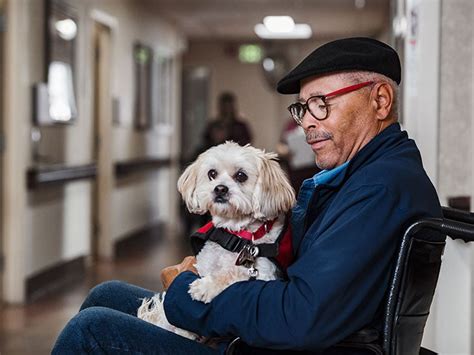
(325, 164)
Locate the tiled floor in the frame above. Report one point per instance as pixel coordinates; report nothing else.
(32, 329)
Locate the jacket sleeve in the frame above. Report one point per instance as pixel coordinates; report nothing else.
(334, 287)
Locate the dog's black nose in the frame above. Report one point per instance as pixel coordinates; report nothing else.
(221, 190)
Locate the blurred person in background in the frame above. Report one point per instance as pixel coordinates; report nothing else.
(227, 125)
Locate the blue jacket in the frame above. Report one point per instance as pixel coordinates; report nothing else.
(344, 256)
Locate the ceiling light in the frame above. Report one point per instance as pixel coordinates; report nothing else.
(279, 24)
(300, 31)
(359, 4)
(67, 29)
(268, 64)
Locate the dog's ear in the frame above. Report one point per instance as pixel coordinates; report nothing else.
(187, 187)
(273, 193)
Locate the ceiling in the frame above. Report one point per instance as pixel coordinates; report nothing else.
(235, 19)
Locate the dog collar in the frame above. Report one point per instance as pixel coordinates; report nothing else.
(252, 236)
(244, 234)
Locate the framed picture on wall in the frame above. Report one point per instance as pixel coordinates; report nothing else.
(143, 61)
(60, 48)
(164, 88)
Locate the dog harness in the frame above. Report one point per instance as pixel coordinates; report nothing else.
(242, 242)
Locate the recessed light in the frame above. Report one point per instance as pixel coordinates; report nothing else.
(268, 64)
(300, 31)
(279, 24)
(67, 29)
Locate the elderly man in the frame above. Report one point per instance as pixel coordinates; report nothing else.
(347, 224)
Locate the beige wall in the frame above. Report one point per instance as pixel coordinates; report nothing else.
(455, 105)
(44, 227)
(452, 326)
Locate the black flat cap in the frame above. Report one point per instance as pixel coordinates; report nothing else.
(357, 53)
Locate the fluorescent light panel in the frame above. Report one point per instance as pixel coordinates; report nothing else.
(300, 31)
(282, 27)
(279, 24)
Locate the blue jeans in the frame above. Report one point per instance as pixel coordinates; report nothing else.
(107, 324)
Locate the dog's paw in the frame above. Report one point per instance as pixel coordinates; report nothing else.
(203, 290)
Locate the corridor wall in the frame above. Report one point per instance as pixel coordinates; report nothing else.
(45, 227)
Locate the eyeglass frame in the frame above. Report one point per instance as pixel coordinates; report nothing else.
(323, 98)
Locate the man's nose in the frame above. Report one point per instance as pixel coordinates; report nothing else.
(308, 121)
(221, 190)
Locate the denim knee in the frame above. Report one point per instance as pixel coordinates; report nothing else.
(76, 337)
(100, 294)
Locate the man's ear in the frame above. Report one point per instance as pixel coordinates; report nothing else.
(382, 100)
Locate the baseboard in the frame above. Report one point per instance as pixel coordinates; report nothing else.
(139, 241)
(65, 274)
(55, 278)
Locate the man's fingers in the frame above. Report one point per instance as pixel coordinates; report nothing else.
(188, 262)
(168, 274)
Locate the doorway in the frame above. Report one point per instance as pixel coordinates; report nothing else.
(195, 112)
(101, 238)
(2, 143)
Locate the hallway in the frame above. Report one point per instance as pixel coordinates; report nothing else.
(33, 328)
(104, 102)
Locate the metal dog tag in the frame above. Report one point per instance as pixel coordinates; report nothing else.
(247, 256)
(253, 272)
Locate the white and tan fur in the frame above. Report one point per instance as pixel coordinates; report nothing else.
(265, 195)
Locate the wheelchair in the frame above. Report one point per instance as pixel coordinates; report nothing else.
(411, 289)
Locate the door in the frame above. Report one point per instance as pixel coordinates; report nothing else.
(2, 31)
(195, 96)
(101, 241)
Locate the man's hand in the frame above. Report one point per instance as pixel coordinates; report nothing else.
(169, 273)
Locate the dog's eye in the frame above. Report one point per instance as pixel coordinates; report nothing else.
(212, 174)
(240, 176)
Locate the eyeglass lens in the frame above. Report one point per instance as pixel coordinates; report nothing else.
(316, 107)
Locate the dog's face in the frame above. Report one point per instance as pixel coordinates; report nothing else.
(232, 182)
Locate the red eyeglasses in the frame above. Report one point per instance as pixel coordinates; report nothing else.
(317, 106)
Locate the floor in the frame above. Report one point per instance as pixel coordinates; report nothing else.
(33, 328)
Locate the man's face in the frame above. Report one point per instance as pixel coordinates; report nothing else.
(350, 125)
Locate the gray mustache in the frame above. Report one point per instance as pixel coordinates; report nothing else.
(313, 135)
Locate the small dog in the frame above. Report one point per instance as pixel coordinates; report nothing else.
(248, 195)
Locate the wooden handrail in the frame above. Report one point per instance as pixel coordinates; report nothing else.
(124, 168)
(40, 176)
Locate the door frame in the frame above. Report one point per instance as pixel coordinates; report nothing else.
(2, 138)
(14, 161)
(103, 29)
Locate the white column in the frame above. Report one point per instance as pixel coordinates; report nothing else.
(16, 118)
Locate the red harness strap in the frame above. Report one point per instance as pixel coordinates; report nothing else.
(205, 228)
(285, 255)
